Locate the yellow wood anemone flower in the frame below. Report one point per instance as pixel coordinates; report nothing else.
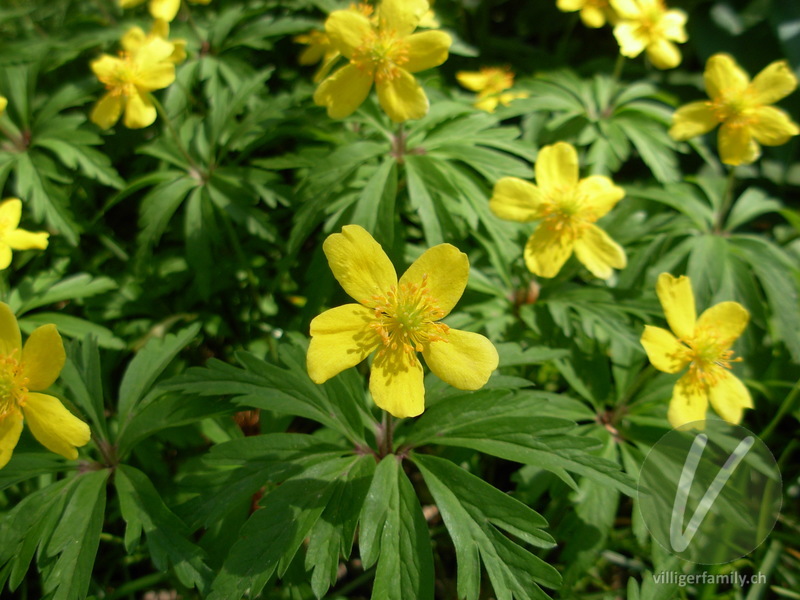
(24, 373)
(567, 208)
(160, 9)
(398, 319)
(704, 345)
(135, 38)
(12, 238)
(129, 78)
(594, 13)
(384, 50)
(742, 107)
(647, 25)
(490, 83)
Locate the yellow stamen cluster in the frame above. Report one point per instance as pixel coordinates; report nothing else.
(707, 355)
(406, 318)
(13, 385)
(732, 107)
(380, 55)
(567, 213)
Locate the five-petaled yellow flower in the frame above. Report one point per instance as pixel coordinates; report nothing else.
(398, 319)
(160, 9)
(129, 80)
(12, 238)
(135, 38)
(383, 50)
(490, 83)
(567, 208)
(704, 345)
(742, 107)
(647, 25)
(594, 13)
(24, 373)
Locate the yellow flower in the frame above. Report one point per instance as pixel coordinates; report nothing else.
(398, 319)
(385, 51)
(743, 108)
(135, 38)
(490, 83)
(24, 372)
(12, 238)
(319, 49)
(160, 9)
(594, 13)
(704, 345)
(647, 25)
(568, 208)
(129, 78)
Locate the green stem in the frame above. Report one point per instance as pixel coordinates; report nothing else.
(786, 406)
(727, 200)
(618, 66)
(173, 132)
(387, 440)
(563, 43)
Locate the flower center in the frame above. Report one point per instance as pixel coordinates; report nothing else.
(381, 54)
(406, 316)
(733, 108)
(13, 385)
(708, 357)
(566, 212)
(121, 83)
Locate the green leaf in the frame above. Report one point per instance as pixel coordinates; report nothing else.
(375, 208)
(41, 292)
(26, 465)
(394, 534)
(147, 366)
(77, 537)
(82, 375)
(474, 513)
(167, 536)
(751, 204)
(272, 536)
(70, 326)
(159, 205)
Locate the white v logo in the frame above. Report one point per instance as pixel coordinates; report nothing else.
(678, 539)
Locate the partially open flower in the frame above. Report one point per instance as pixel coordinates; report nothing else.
(594, 13)
(648, 26)
(490, 83)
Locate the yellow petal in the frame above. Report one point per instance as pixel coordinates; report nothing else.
(593, 16)
(158, 76)
(673, 24)
(129, 3)
(10, 430)
(327, 65)
(689, 402)
(445, 270)
(107, 111)
(133, 39)
(154, 52)
(664, 350)
(5, 256)
(3, 104)
(465, 360)
(547, 250)
(401, 16)
(139, 111)
(359, 264)
(106, 68)
(599, 253)
(160, 29)
(722, 74)
(473, 80)
(427, 50)
(570, 5)
(677, 300)
(693, 119)
(343, 92)
(516, 200)
(663, 54)
(402, 97)
(54, 426)
(736, 145)
(556, 167)
(10, 214)
(347, 30)
(164, 9)
(489, 104)
(724, 321)
(43, 357)
(10, 337)
(775, 82)
(396, 383)
(729, 397)
(599, 194)
(630, 40)
(340, 338)
(773, 127)
(626, 9)
(311, 55)
(20, 239)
